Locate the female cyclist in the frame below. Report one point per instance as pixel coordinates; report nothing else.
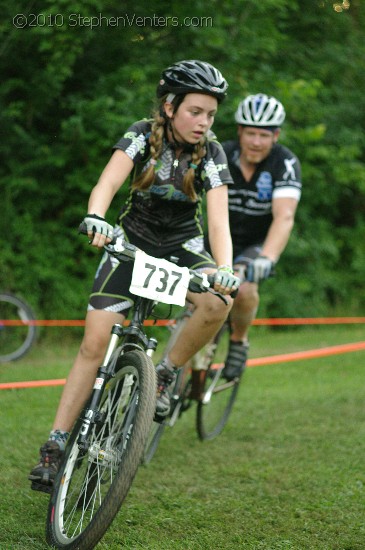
(173, 159)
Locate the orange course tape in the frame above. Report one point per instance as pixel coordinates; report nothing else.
(168, 322)
(286, 357)
(309, 354)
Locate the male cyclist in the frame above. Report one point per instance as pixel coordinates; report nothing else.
(262, 206)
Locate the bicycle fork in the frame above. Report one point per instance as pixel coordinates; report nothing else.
(105, 372)
(92, 415)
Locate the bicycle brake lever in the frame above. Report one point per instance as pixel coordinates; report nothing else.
(218, 294)
(82, 228)
(83, 231)
(211, 281)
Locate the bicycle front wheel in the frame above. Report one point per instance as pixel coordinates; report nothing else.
(92, 484)
(16, 335)
(216, 395)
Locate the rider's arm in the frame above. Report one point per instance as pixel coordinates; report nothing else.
(220, 239)
(218, 225)
(112, 178)
(283, 211)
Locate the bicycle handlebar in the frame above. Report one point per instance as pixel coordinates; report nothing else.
(125, 251)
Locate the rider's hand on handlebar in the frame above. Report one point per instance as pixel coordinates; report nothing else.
(225, 281)
(259, 269)
(100, 232)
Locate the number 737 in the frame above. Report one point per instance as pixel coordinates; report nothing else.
(165, 278)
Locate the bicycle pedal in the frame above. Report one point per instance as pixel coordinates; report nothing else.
(41, 487)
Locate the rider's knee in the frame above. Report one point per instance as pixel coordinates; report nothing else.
(93, 347)
(248, 294)
(215, 310)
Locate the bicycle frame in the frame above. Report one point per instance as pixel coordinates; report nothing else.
(122, 339)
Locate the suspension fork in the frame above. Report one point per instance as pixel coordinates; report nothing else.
(91, 415)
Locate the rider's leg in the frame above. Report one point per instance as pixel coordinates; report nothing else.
(242, 314)
(244, 311)
(208, 316)
(82, 375)
(76, 391)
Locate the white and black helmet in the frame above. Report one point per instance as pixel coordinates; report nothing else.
(192, 76)
(260, 110)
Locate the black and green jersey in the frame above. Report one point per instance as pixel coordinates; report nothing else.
(164, 214)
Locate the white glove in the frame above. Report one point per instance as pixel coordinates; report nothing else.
(225, 277)
(259, 269)
(97, 224)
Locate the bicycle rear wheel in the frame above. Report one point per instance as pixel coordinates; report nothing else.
(16, 337)
(92, 485)
(217, 396)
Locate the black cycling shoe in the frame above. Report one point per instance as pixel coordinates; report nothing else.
(43, 475)
(236, 360)
(165, 377)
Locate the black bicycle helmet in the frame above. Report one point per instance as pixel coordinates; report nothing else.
(192, 76)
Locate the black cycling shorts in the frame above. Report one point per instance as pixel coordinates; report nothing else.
(110, 291)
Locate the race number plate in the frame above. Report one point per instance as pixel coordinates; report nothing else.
(159, 279)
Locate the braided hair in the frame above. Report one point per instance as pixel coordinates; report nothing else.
(146, 178)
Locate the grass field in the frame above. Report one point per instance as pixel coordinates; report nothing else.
(288, 472)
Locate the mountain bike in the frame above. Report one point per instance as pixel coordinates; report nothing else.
(107, 443)
(17, 333)
(200, 381)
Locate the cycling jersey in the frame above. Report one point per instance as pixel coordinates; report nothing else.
(250, 202)
(163, 213)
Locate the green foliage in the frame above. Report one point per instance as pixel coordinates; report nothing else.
(74, 80)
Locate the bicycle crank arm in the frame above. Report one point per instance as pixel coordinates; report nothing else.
(208, 394)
